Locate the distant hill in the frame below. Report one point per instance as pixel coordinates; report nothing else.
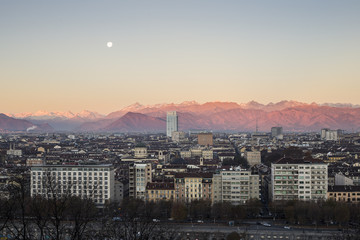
(11, 124)
(217, 116)
(137, 122)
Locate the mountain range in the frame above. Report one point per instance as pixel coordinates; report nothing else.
(216, 116)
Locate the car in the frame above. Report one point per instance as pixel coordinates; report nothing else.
(266, 224)
(200, 221)
(116, 219)
(287, 227)
(156, 220)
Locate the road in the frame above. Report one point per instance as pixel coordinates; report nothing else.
(261, 232)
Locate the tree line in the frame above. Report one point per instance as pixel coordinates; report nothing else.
(317, 213)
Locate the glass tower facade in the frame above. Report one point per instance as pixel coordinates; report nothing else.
(171, 123)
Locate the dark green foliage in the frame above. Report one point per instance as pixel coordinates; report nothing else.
(233, 236)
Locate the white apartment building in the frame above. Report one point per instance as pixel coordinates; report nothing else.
(298, 179)
(235, 186)
(139, 175)
(330, 135)
(86, 181)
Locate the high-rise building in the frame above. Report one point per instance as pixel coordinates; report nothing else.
(86, 181)
(299, 179)
(139, 176)
(171, 123)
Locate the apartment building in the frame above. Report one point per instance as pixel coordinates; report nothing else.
(344, 193)
(139, 175)
(160, 191)
(236, 186)
(193, 186)
(205, 139)
(86, 181)
(253, 157)
(299, 179)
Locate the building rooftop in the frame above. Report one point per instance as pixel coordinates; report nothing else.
(343, 188)
(289, 160)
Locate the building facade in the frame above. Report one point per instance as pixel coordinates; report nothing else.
(253, 157)
(205, 139)
(193, 186)
(95, 182)
(171, 123)
(299, 179)
(276, 132)
(163, 191)
(178, 136)
(235, 186)
(139, 175)
(344, 193)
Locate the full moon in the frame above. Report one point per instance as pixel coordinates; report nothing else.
(109, 44)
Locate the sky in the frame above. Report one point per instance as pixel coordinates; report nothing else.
(54, 54)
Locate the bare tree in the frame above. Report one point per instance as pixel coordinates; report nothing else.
(16, 210)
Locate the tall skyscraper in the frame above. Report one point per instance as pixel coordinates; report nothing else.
(171, 123)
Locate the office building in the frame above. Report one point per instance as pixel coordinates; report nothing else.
(86, 181)
(171, 123)
(299, 179)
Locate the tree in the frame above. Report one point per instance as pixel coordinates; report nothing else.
(179, 211)
(342, 214)
(253, 207)
(17, 209)
(233, 236)
(135, 223)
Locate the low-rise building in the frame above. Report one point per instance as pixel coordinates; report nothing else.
(193, 186)
(160, 191)
(344, 193)
(253, 157)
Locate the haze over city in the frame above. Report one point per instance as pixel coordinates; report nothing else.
(55, 57)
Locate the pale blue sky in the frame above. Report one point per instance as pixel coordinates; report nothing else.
(53, 54)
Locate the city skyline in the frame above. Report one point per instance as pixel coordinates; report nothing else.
(54, 56)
